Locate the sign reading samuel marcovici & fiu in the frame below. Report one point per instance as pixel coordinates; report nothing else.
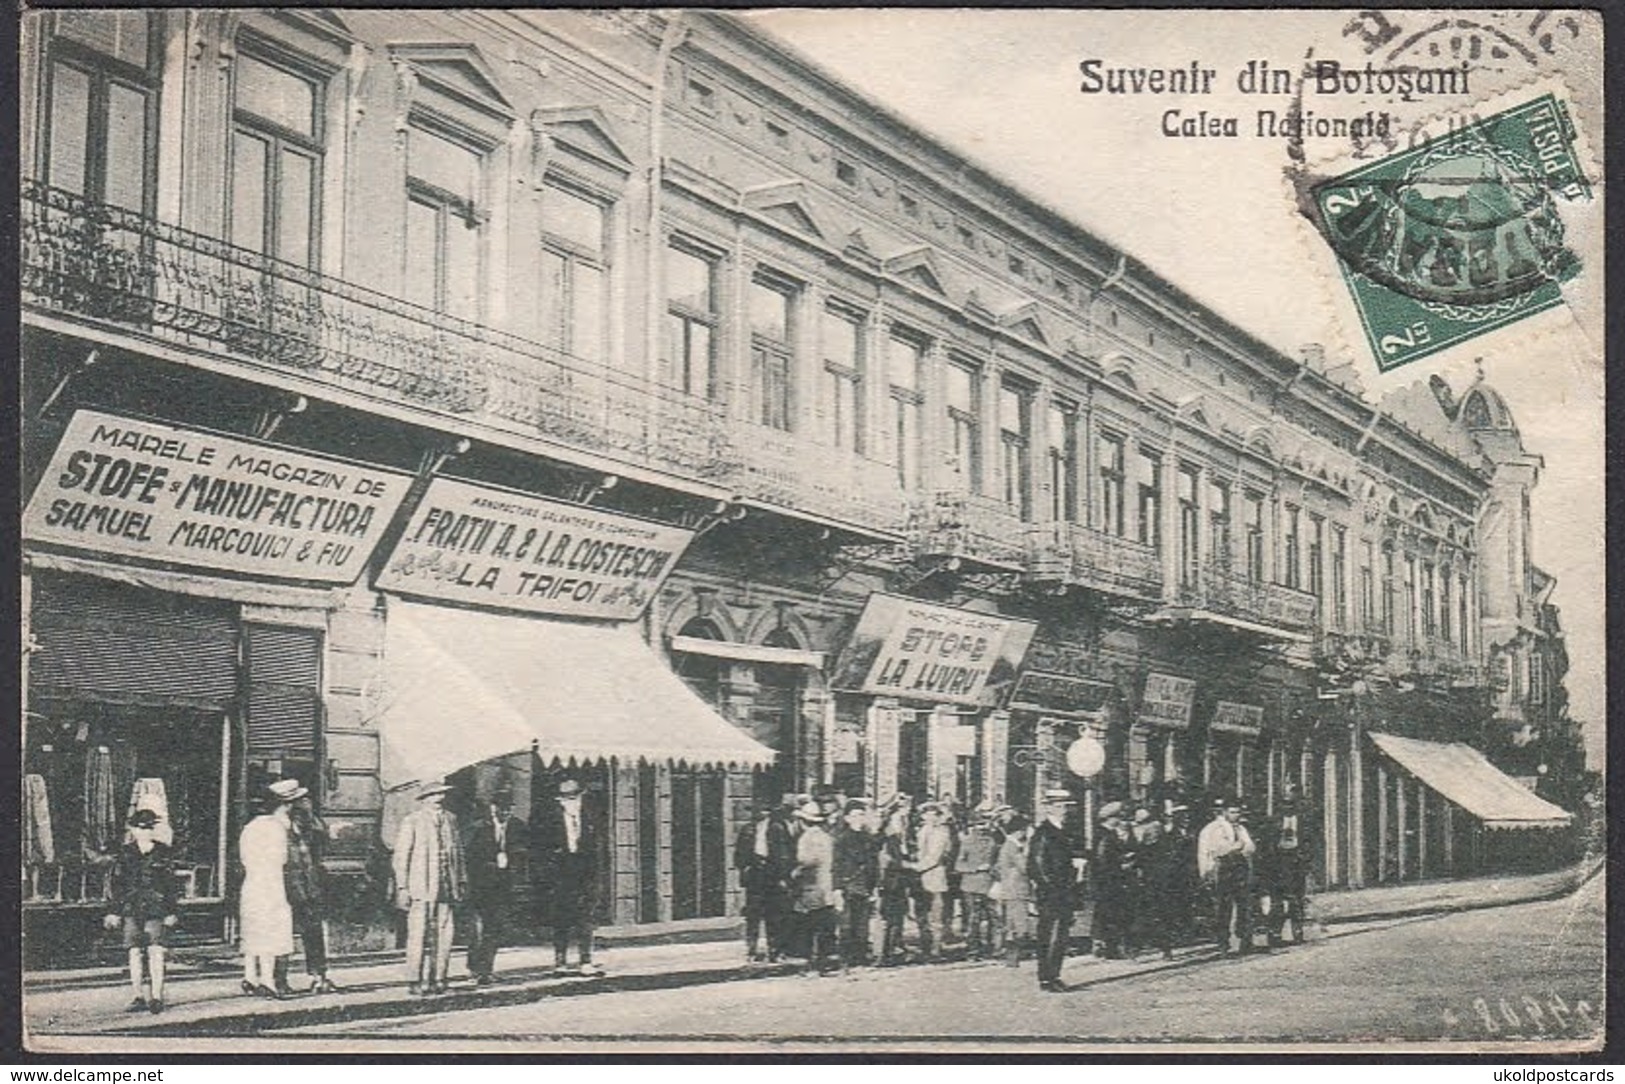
(153, 492)
(492, 547)
(914, 650)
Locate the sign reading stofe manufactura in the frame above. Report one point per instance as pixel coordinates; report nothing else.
(491, 547)
(153, 492)
(1167, 701)
(917, 651)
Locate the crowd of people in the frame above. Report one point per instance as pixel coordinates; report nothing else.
(820, 872)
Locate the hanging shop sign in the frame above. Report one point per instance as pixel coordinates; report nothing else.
(512, 551)
(915, 650)
(1167, 701)
(1234, 718)
(157, 493)
(1042, 691)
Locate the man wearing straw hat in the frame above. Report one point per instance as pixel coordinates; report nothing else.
(430, 880)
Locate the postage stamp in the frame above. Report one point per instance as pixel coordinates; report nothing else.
(794, 530)
(1457, 236)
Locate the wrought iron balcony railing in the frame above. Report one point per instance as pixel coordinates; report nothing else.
(1224, 590)
(1119, 565)
(1437, 657)
(945, 523)
(1075, 554)
(115, 267)
(785, 469)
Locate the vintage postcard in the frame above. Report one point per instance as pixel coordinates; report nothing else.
(774, 530)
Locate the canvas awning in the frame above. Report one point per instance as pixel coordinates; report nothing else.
(1461, 774)
(462, 687)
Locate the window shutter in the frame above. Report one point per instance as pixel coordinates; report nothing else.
(284, 692)
(103, 640)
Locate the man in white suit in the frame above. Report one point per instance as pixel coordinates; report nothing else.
(430, 879)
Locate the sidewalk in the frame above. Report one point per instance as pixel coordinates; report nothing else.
(204, 997)
(1442, 897)
(211, 1006)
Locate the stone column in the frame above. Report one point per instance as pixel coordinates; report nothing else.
(884, 723)
(995, 754)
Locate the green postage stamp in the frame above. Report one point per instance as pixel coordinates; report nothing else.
(1459, 235)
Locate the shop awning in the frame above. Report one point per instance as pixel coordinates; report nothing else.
(724, 649)
(1461, 774)
(462, 687)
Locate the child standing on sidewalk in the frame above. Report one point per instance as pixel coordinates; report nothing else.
(144, 906)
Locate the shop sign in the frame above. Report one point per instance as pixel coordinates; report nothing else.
(511, 551)
(184, 497)
(1234, 718)
(1040, 691)
(917, 651)
(1167, 701)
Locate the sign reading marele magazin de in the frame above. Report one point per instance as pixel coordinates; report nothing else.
(158, 493)
(495, 548)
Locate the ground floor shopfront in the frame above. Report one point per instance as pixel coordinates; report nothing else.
(185, 694)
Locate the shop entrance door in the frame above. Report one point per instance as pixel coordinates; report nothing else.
(699, 868)
(775, 716)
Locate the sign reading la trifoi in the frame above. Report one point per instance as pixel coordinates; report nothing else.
(491, 547)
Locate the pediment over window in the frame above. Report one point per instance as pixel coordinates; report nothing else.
(919, 267)
(1261, 441)
(1028, 321)
(586, 130)
(1119, 370)
(786, 203)
(456, 70)
(1196, 411)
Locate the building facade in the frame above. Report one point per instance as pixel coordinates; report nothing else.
(664, 271)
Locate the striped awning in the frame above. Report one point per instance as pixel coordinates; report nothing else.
(1462, 775)
(462, 687)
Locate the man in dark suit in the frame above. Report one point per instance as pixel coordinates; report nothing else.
(1052, 866)
(493, 848)
(1289, 839)
(567, 875)
(1113, 871)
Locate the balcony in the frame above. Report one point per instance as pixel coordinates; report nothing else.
(948, 524)
(1436, 658)
(1080, 556)
(1226, 596)
(121, 271)
(782, 469)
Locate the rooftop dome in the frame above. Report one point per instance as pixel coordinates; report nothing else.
(1482, 408)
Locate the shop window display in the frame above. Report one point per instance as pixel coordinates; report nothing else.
(87, 766)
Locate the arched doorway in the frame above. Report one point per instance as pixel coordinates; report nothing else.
(775, 718)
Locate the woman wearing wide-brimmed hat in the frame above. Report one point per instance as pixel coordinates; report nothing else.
(266, 918)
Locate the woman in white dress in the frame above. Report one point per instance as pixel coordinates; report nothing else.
(267, 918)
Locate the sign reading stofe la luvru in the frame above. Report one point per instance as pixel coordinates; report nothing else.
(917, 651)
(182, 497)
(490, 547)
(1167, 701)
